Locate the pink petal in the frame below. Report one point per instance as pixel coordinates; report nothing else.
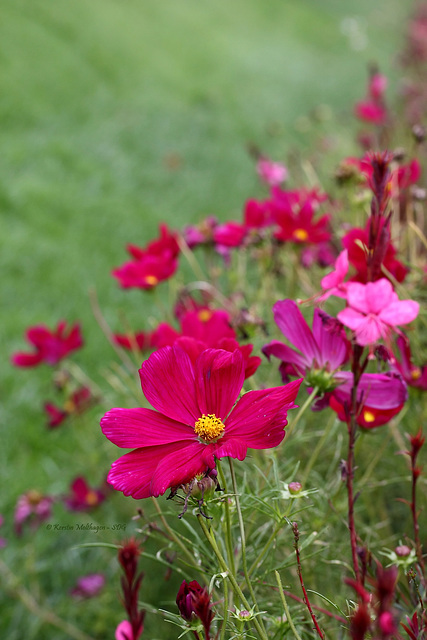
(400, 312)
(285, 354)
(219, 379)
(259, 417)
(291, 323)
(226, 447)
(370, 330)
(350, 318)
(337, 277)
(21, 359)
(134, 428)
(379, 295)
(167, 380)
(124, 631)
(356, 297)
(133, 472)
(178, 467)
(330, 337)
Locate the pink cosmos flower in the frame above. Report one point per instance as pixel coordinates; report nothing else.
(380, 396)
(50, 346)
(293, 212)
(369, 111)
(195, 420)
(32, 507)
(320, 352)
(272, 173)
(374, 310)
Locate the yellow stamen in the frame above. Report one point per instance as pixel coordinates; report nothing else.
(204, 315)
(91, 498)
(368, 416)
(300, 234)
(151, 280)
(209, 427)
(416, 373)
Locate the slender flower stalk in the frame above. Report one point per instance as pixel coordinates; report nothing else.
(306, 600)
(285, 606)
(222, 563)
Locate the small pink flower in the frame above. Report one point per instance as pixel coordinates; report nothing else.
(88, 586)
(32, 507)
(196, 422)
(270, 172)
(50, 346)
(374, 310)
(82, 497)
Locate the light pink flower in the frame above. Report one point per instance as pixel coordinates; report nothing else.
(272, 173)
(374, 310)
(196, 421)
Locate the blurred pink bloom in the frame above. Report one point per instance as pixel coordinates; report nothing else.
(50, 346)
(371, 112)
(257, 215)
(293, 213)
(270, 172)
(55, 415)
(32, 507)
(377, 86)
(88, 586)
(374, 310)
(194, 235)
(196, 420)
(124, 631)
(82, 497)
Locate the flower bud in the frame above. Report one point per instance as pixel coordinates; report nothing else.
(294, 488)
(194, 602)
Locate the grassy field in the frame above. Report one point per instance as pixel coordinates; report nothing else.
(117, 115)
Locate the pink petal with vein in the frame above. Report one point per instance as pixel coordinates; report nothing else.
(219, 379)
(167, 380)
(292, 324)
(178, 467)
(134, 428)
(400, 312)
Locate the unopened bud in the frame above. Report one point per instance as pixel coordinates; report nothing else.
(402, 551)
(294, 488)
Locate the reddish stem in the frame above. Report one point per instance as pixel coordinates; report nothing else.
(306, 600)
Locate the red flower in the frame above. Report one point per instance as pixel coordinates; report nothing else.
(195, 421)
(193, 602)
(152, 264)
(55, 415)
(50, 346)
(82, 497)
(293, 213)
(140, 340)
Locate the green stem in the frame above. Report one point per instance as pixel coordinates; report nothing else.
(173, 535)
(285, 606)
(236, 589)
(317, 450)
(243, 540)
(228, 538)
(224, 622)
(301, 412)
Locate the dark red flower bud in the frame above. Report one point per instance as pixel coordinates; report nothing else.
(193, 601)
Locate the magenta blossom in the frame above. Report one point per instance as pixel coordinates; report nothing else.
(374, 310)
(88, 586)
(320, 352)
(195, 420)
(272, 173)
(50, 346)
(33, 508)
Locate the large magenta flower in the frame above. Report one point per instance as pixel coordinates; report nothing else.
(195, 422)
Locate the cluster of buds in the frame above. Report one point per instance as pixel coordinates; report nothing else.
(132, 628)
(195, 606)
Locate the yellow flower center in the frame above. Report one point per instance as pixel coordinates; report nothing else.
(151, 280)
(300, 234)
(209, 427)
(416, 373)
(91, 498)
(204, 315)
(368, 416)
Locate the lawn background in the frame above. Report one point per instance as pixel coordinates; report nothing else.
(117, 115)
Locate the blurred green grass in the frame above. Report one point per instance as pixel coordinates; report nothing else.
(117, 115)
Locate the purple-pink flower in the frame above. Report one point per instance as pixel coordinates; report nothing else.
(88, 586)
(323, 350)
(196, 420)
(272, 173)
(374, 309)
